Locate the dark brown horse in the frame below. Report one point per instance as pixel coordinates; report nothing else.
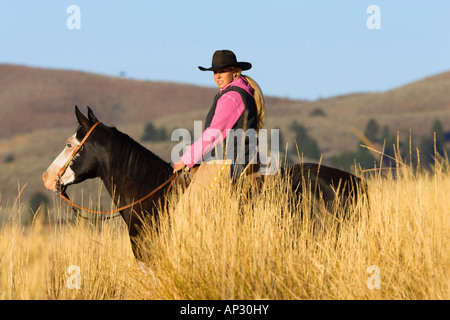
(130, 172)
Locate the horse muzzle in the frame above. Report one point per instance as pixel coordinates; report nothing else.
(50, 181)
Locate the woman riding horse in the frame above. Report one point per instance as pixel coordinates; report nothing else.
(238, 105)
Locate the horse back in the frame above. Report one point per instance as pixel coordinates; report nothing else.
(327, 183)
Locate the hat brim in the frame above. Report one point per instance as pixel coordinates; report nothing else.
(241, 65)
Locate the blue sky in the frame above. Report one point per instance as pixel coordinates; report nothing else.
(299, 49)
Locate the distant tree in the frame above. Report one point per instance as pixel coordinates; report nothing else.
(38, 203)
(389, 140)
(151, 133)
(361, 157)
(318, 112)
(344, 160)
(372, 131)
(364, 158)
(306, 144)
(438, 130)
(9, 158)
(428, 147)
(426, 151)
(409, 151)
(432, 144)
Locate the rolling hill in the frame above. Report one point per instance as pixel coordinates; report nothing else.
(37, 115)
(33, 98)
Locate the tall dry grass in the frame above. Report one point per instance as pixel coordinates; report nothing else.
(220, 248)
(35, 259)
(223, 246)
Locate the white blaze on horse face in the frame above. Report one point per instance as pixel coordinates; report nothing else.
(50, 175)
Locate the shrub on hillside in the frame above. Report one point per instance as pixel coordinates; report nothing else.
(151, 133)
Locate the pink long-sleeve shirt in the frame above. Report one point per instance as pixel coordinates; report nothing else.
(228, 110)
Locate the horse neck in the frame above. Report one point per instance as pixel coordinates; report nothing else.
(133, 171)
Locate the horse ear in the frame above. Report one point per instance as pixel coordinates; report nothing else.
(92, 116)
(82, 120)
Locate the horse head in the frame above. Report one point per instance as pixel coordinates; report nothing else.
(75, 163)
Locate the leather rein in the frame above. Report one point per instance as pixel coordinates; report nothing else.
(65, 197)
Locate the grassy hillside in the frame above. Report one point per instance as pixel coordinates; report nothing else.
(34, 99)
(411, 107)
(37, 115)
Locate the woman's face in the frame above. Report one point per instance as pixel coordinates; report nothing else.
(223, 77)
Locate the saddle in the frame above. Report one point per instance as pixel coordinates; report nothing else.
(207, 174)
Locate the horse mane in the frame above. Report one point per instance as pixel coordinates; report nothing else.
(132, 159)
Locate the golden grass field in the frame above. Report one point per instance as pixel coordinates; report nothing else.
(223, 246)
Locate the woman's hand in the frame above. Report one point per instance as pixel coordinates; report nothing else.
(179, 165)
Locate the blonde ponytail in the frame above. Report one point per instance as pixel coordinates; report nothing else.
(259, 98)
(260, 103)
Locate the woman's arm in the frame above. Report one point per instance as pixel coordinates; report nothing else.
(228, 110)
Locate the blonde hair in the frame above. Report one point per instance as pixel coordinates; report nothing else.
(259, 99)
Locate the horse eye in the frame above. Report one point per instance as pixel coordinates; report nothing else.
(69, 144)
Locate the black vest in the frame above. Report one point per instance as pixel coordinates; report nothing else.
(243, 147)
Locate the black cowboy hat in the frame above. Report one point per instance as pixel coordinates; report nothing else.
(226, 58)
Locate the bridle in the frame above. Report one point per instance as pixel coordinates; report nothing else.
(74, 153)
(60, 190)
